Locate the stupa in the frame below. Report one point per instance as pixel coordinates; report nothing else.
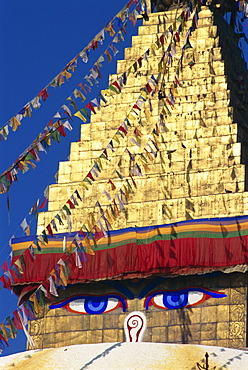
(146, 233)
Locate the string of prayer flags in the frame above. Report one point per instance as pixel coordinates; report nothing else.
(66, 73)
(42, 143)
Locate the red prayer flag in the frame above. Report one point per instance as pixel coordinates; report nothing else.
(131, 2)
(98, 233)
(4, 340)
(134, 183)
(43, 94)
(5, 281)
(81, 232)
(29, 255)
(105, 152)
(9, 177)
(140, 61)
(49, 229)
(5, 266)
(136, 107)
(70, 203)
(91, 107)
(115, 83)
(36, 158)
(90, 176)
(43, 204)
(61, 130)
(121, 128)
(16, 321)
(177, 37)
(170, 102)
(149, 89)
(161, 39)
(113, 187)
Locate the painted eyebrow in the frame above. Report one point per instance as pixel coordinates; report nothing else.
(150, 286)
(121, 288)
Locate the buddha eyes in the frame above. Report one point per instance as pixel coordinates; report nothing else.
(188, 297)
(165, 299)
(90, 304)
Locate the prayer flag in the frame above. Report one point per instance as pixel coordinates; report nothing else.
(49, 229)
(79, 115)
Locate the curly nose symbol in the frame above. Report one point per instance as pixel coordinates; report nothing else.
(134, 326)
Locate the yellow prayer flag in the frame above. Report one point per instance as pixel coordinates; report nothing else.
(115, 138)
(144, 94)
(14, 123)
(4, 331)
(11, 333)
(92, 219)
(27, 231)
(126, 192)
(109, 216)
(48, 139)
(145, 166)
(67, 74)
(37, 307)
(84, 185)
(62, 276)
(147, 114)
(32, 164)
(132, 115)
(79, 115)
(28, 112)
(19, 265)
(41, 240)
(69, 249)
(88, 248)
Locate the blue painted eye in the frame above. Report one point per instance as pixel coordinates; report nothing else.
(91, 304)
(188, 297)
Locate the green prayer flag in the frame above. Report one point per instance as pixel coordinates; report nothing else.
(65, 208)
(4, 180)
(56, 136)
(103, 156)
(29, 156)
(130, 190)
(119, 174)
(85, 112)
(22, 261)
(135, 66)
(40, 298)
(44, 236)
(113, 88)
(12, 328)
(86, 179)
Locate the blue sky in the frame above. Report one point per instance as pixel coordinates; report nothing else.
(38, 38)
